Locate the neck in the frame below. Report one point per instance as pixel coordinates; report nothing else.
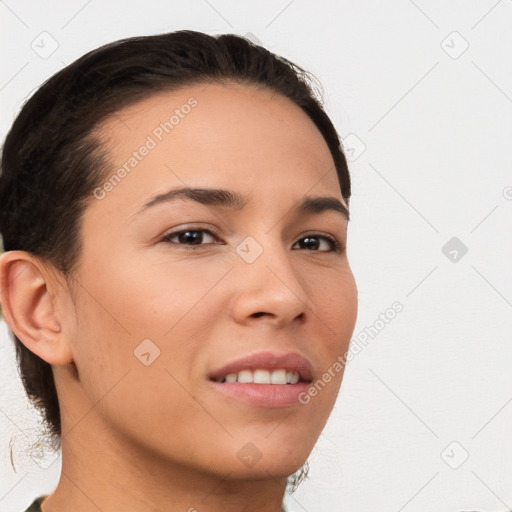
(103, 472)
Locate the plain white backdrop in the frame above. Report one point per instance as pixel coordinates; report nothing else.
(420, 91)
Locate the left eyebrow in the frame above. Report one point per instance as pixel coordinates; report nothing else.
(230, 199)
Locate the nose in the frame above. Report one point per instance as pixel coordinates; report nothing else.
(269, 289)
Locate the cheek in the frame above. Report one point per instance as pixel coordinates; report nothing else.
(131, 308)
(111, 360)
(334, 301)
(150, 298)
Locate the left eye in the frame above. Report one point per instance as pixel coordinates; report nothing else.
(313, 242)
(195, 237)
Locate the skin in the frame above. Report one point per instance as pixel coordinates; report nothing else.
(157, 437)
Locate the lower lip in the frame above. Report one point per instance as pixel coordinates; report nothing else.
(273, 396)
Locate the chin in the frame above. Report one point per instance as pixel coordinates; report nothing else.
(265, 469)
(257, 459)
(280, 459)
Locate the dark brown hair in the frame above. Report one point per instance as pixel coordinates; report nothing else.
(52, 161)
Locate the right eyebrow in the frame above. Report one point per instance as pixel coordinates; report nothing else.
(208, 196)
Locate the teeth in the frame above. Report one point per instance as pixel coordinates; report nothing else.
(245, 376)
(278, 377)
(260, 376)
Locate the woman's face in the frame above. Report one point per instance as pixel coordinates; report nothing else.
(159, 314)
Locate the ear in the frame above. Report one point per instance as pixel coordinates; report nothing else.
(28, 293)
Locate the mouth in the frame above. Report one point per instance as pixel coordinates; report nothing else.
(264, 379)
(278, 377)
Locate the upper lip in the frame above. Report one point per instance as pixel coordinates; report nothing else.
(290, 361)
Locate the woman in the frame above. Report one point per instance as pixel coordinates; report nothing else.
(174, 213)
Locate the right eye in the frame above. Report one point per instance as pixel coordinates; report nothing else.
(188, 237)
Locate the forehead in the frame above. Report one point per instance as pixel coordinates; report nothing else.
(218, 135)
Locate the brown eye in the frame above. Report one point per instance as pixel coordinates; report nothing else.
(313, 242)
(188, 237)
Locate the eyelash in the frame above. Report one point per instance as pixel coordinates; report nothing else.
(336, 246)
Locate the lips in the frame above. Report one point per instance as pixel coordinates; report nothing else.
(292, 362)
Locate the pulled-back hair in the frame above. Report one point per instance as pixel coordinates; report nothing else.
(52, 159)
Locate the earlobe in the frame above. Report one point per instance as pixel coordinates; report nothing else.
(29, 307)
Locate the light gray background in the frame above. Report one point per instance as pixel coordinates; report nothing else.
(427, 126)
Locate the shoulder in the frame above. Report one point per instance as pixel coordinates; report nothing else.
(36, 504)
